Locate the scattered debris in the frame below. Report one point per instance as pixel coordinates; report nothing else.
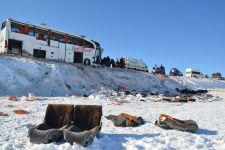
(3, 114)
(21, 111)
(127, 92)
(10, 106)
(188, 91)
(113, 93)
(12, 98)
(125, 120)
(168, 122)
(31, 97)
(175, 98)
(143, 94)
(116, 102)
(121, 88)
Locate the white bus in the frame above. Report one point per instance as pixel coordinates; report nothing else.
(41, 41)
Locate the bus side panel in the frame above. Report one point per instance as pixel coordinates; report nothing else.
(54, 43)
(89, 54)
(28, 47)
(69, 56)
(62, 52)
(52, 53)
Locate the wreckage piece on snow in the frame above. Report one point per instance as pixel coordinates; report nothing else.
(168, 122)
(21, 112)
(84, 138)
(3, 114)
(12, 98)
(87, 124)
(192, 92)
(125, 120)
(57, 117)
(183, 99)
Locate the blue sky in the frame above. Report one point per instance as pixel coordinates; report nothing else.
(175, 33)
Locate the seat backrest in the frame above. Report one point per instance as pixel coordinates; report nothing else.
(59, 115)
(87, 117)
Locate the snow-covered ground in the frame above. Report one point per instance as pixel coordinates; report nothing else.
(20, 76)
(209, 116)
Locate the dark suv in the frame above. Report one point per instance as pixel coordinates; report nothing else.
(175, 72)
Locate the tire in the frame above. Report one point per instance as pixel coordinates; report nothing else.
(87, 62)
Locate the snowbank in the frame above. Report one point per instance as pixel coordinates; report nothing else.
(20, 76)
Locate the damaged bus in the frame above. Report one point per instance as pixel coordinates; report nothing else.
(43, 42)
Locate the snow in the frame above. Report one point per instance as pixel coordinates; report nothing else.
(20, 76)
(211, 134)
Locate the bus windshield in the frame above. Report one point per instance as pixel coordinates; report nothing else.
(3, 25)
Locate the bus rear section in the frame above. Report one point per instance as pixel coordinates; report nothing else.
(3, 39)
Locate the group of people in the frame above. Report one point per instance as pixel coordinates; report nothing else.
(106, 61)
(158, 69)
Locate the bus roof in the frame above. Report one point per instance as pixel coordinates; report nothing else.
(45, 27)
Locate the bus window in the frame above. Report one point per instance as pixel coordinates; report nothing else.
(70, 39)
(41, 34)
(24, 30)
(3, 25)
(88, 44)
(75, 41)
(57, 37)
(65, 38)
(15, 27)
(81, 42)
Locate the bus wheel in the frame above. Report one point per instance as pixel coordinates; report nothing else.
(87, 62)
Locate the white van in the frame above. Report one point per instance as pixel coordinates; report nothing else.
(193, 73)
(136, 64)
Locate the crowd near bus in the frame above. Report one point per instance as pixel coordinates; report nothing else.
(41, 41)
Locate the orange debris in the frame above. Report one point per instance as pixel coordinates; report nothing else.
(12, 98)
(21, 112)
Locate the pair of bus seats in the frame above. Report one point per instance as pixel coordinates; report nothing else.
(79, 124)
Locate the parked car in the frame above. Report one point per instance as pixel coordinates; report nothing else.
(136, 64)
(218, 75)
(175, 72)
(193, 73)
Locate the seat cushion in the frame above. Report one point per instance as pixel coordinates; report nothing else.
(59, 115)
(86, 117)
(84, 138)
(44, 134)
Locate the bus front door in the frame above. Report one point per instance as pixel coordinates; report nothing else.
(78, 57)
